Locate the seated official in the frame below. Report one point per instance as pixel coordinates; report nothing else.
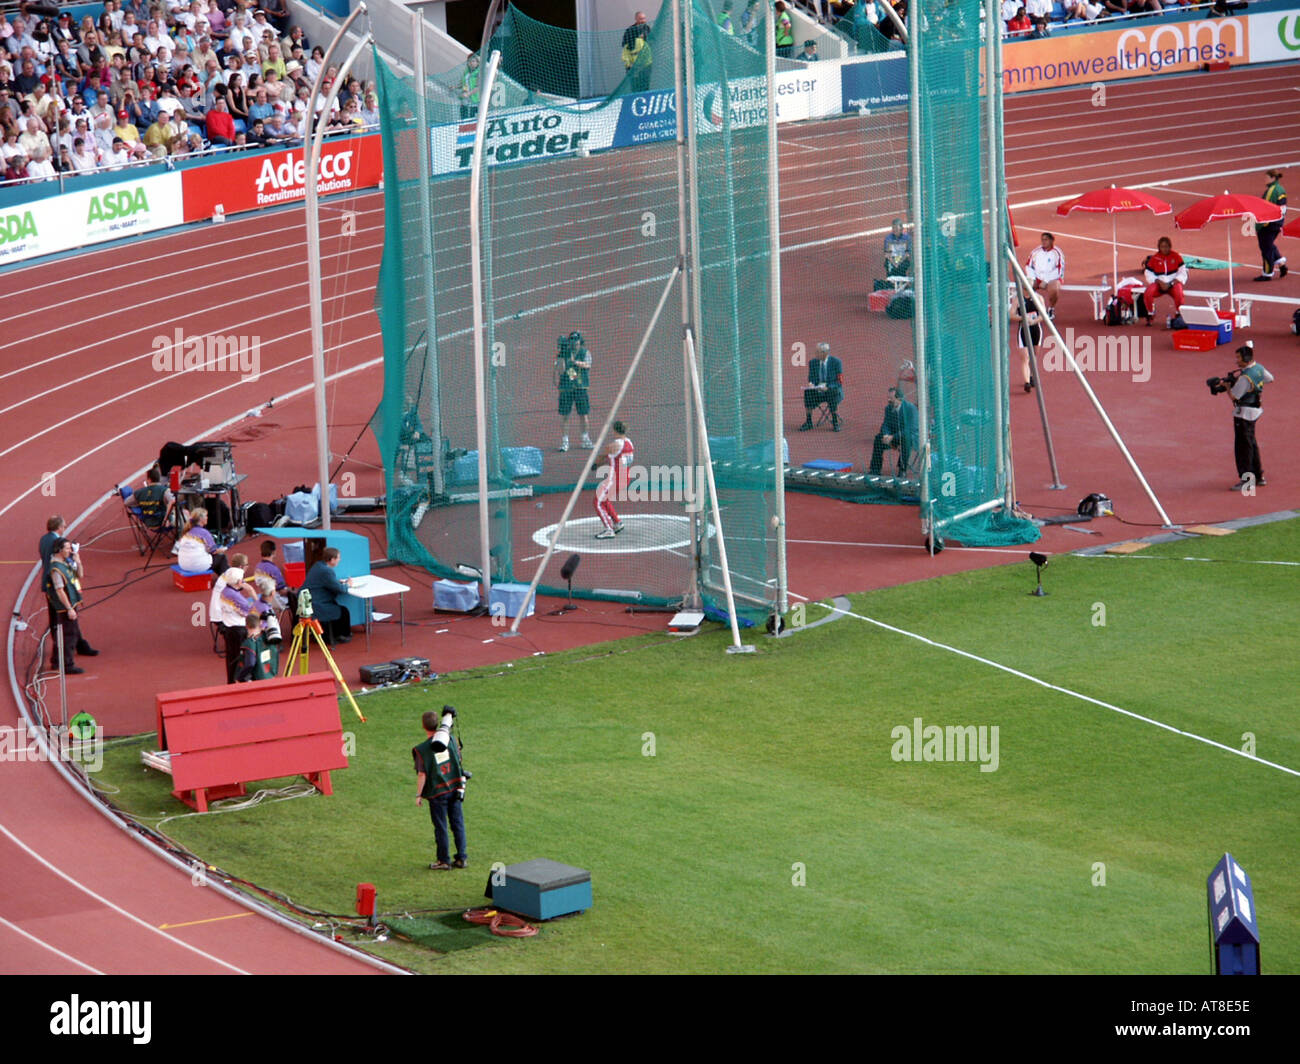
(898, 431)
(825, 385)
(326, 592)
(155, 500)
(898, 251)
(196, 550)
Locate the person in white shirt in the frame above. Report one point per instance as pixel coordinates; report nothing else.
(117, 156)
(1046, 268)
(157, 37)
(34, 140)
(83, 157)
(40, 167)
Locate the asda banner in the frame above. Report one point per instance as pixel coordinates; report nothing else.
(90, 216)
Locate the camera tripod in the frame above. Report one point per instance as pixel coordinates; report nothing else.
(307, 629)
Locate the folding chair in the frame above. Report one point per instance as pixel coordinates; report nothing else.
(148, 538)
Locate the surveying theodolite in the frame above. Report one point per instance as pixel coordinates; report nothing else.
(307, 629)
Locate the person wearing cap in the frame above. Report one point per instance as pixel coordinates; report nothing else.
(1246, 393)
(62, 29)
(118, 156)
(63, 596)
(809, 53)
(124, 130)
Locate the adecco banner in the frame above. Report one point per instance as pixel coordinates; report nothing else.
(1275, 37)
(90, 216)
(1138, 50)
(267, 179)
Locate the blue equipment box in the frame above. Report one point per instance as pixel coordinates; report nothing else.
(542, 889)
(519, 462)
(829, 464)
(455, 596)
(508, 599)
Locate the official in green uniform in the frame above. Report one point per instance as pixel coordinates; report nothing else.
(259, 660)
(63, 594)
(1274, 261)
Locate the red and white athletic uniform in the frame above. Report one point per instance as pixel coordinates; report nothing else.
(614, 485)
(1165, 269)
(1045, 266)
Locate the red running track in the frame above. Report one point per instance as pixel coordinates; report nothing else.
(84, 409)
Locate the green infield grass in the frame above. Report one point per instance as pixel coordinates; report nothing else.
(759, 813)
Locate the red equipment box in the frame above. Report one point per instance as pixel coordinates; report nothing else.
(878, 301)
(1195, 340)
(222, 737)
(191, 581)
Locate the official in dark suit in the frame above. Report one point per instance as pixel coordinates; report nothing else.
(825, 385)
(326, 592)
(898, 430)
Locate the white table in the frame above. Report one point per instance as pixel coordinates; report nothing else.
(372, 587)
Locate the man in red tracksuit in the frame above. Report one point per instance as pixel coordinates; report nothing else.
(1165, 275)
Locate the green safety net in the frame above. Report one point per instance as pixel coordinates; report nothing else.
(966, 384)
(581, 234)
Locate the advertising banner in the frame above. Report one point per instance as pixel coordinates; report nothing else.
(1141, 49)
(90, 216)
(1275, 37)
(269, 179)
(874, 83)
(527, 134)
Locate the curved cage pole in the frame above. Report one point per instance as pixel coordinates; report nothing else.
(311, 159)
(476, 296)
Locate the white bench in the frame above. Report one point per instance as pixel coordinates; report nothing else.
(1241, 303)
(1096, 292)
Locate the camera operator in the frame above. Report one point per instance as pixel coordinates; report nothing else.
(1246, 386)
(440, 778)
(572, 369)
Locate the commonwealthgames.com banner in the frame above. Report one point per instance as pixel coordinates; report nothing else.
(89, 216)
(1139, 50)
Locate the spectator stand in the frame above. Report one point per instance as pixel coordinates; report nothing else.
(145, 67)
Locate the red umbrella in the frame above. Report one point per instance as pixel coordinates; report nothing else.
(1225, 208)
(1113, 201)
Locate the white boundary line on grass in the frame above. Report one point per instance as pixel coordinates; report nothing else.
(1063, 690)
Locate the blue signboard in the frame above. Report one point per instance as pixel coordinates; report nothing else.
(875, 84)
(646, 117)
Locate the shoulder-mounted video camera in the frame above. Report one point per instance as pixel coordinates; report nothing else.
(1219, 385)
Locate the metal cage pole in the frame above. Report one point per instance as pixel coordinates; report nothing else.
(684, 114)
(476, 295)
(999, 350)
(311, 159)
(426, 241)
(1092, 396)
(918, 266)
(774, 286)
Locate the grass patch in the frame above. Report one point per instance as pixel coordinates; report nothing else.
(771, 830)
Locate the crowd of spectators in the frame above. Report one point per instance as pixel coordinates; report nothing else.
(1033, 18)
(151, 81)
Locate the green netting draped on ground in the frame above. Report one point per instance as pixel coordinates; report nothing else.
(580, 235)
(966, 387)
